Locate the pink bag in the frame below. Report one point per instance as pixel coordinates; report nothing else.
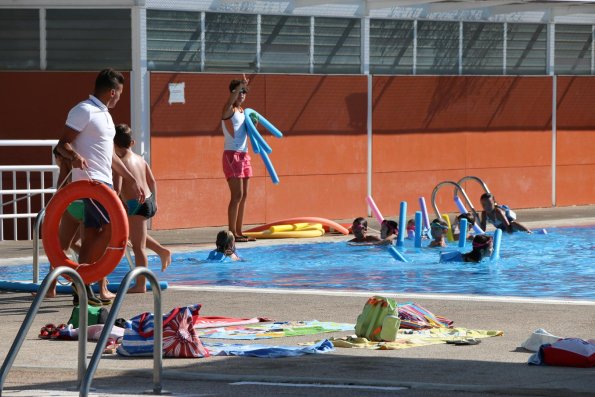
(179, 337)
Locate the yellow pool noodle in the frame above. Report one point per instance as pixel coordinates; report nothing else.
(449, 234)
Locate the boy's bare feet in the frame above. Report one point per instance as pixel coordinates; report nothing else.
(106, 295)
(165, 256)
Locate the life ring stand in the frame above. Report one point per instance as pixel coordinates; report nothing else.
(116, 247)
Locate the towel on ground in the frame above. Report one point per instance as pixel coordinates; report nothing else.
(410, 338)
(274, 330)
(266, 351)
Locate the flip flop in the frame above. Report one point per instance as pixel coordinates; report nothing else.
(47, 331)
(241, 239)
(55, 334)
(111, 346)
(249, 238)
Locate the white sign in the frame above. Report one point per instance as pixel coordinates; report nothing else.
(176, 93)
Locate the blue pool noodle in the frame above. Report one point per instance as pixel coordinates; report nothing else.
(463, 210)
(497, 240)
(262, 144)
(255, 147)
(62, 289)
(462, 232)
(418, 228)
(265, 123)
(402, 223)
(269, 165)
(396, 254)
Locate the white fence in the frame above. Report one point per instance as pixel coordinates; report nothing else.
(10, 213)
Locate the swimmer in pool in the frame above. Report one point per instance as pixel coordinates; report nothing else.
(500, 216)
(226, 247)
(470, 222)
(360, 231)
(483, 246)
(389, 230)
(138, 212)
(439, 229)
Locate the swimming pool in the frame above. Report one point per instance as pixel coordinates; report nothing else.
(560, 264)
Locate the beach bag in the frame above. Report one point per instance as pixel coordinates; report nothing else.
(179, 337)
(95, 315)
(378, 320)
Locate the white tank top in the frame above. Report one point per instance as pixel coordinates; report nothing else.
(239, 141)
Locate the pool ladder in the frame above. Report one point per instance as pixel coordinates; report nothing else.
(458, 188)
(86, 372)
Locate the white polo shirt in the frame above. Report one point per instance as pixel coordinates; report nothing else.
(95, 141)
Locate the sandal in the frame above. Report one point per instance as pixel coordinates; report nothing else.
(46, 331)
(464, 342)
(55, 334)
(249, 238)
(111, 346)
(241, 239)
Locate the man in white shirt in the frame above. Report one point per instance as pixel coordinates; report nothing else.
(88, 141)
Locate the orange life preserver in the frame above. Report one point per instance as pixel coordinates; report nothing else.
(118, 220)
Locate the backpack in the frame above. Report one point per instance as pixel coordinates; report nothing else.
(95, 315)
(379, 320)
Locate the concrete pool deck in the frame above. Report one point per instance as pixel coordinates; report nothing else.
(494, 367)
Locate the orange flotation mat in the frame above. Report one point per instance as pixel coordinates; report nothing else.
(310, 219)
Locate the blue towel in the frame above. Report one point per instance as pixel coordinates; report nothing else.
(267, 351)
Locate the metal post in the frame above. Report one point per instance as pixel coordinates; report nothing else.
(22, 333)
(370, 138)
(28, 181)
(258, 38)
(38, 222)
(111, 319)
(312, 44)
(504, 46)
(43, 60)
(554, 135)
(202, 41)
(460, 47)
(415, 47)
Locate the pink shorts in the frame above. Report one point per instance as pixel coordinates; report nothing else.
(236, 164)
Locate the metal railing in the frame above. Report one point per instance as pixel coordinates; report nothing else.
(476, 179)
(22, 333)
(435, 192)
(28, 191)
(111, 319)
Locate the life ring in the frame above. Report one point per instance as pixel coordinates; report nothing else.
(119, 229)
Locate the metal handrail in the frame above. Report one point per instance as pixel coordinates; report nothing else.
(457, 186)
(474, 178)
(111, 319)
(38, 221)
(22, 333)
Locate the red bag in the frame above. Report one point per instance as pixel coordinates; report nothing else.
(179, 336)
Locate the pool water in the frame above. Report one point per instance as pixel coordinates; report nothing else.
(560, 264)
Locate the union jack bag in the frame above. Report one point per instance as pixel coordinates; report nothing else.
(179, 336)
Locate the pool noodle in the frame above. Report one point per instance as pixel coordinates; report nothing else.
(449, 234)
(269, 166)
(402, 223)
(497, 239)
(462, 232)
(254, 143)
(396, 254)
(463, 210)
(264, 122)
(418, 227)
(424, 213)
(262, 144)
(63, 289)
(374, 208)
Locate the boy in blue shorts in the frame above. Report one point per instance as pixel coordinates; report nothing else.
(138, 212)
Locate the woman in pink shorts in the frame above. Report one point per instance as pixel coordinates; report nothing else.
(236, 161)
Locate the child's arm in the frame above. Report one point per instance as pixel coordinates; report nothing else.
(501, 216)
(484, 221)
(117, 182)
(233, 96)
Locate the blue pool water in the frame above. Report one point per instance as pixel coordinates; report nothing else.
(559, 264)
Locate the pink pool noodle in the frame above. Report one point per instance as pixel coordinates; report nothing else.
(374, 209)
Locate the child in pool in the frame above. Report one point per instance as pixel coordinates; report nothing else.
(389, 230)
(499, 216)
(470, 222)
(482, 248)
(439, 228)
(360, 231)
(411, 229)
(226, 247)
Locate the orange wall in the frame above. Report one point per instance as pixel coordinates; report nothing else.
(575, 144)
(321, 161)
(435, 128)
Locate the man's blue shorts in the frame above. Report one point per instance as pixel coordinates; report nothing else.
(95, 215)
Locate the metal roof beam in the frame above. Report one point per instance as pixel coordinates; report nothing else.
(452, 6)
